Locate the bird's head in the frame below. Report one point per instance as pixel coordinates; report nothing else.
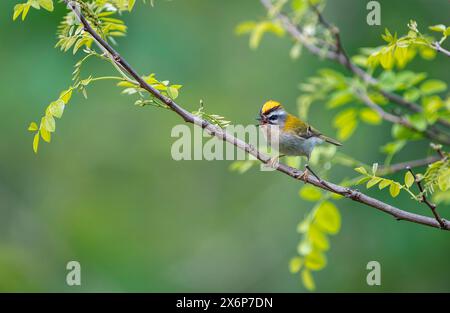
(272, 113)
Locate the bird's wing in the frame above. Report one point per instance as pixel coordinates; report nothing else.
(312, 132)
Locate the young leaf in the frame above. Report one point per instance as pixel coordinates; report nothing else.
(57, 108)
(172, 92)
(295, 51)
(394, 189)
(433, 86)
(310, 193)
(245, 27)
(444, 180)
(46, 4)
(33, 127)
(308, 280)
(318, 239)
(49, 123)
(384, 183)
(26, 8)
(409, 179)
(370, 116)
(36, 142)
(315, 261)
(18, 8)
(361, 170)
(438, 28)
(373, 182)
(295, 264)
(374, 168)
(66, 95)
(131, 4)
(328, 218)
(45, 134)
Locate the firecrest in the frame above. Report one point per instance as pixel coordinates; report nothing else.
(289, 134)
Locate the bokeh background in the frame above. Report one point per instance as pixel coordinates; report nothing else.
(106, 192)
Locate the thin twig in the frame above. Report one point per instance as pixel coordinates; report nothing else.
(437, 46)
(220, 133)
(423, 198)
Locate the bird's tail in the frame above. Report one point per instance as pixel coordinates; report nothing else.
(331, 140)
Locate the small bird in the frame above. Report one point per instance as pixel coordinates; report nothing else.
(289, 134)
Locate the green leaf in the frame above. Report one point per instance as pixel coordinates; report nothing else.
(45, 134)
(304, 226)
(370, 116)
(172, 92)
(318, 239)
(412, 94)
(387, 36)
(363, 180)
(339, 98)
(36, 142)
(245, 27)
(18, 8)
(66, 95)
(315, 261)
(308, 280)
(33, 127)
(296, 50)
(347, 131)
(361, 170)
(328, 218)
(444, 180)
(260, 29)
(57, 108)
(400, 132)
(374, 168)
(447, 32)
(310, 193)
(295, 264)
(25, 11)
(394, 189)
(387, 58)
(384, 183)
(35, 4)
(48, 123)
(433, 86)
(373, 182)
(131, 4)
(46, 4)
(418, 121)
(304, 247)
(409, 179)
(438, 28)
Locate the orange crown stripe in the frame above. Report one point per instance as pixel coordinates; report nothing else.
(270, 106)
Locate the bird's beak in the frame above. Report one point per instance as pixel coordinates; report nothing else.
(259, 119)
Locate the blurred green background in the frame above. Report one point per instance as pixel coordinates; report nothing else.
(106, 192)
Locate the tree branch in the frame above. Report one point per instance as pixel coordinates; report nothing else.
(220, 133)
(395, 119)
(394, 168)
(342, 58)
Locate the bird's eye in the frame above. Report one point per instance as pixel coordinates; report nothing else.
(273, 117)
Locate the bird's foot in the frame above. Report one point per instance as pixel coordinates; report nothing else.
(303, 176)
(273, 162)
(321, 181)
